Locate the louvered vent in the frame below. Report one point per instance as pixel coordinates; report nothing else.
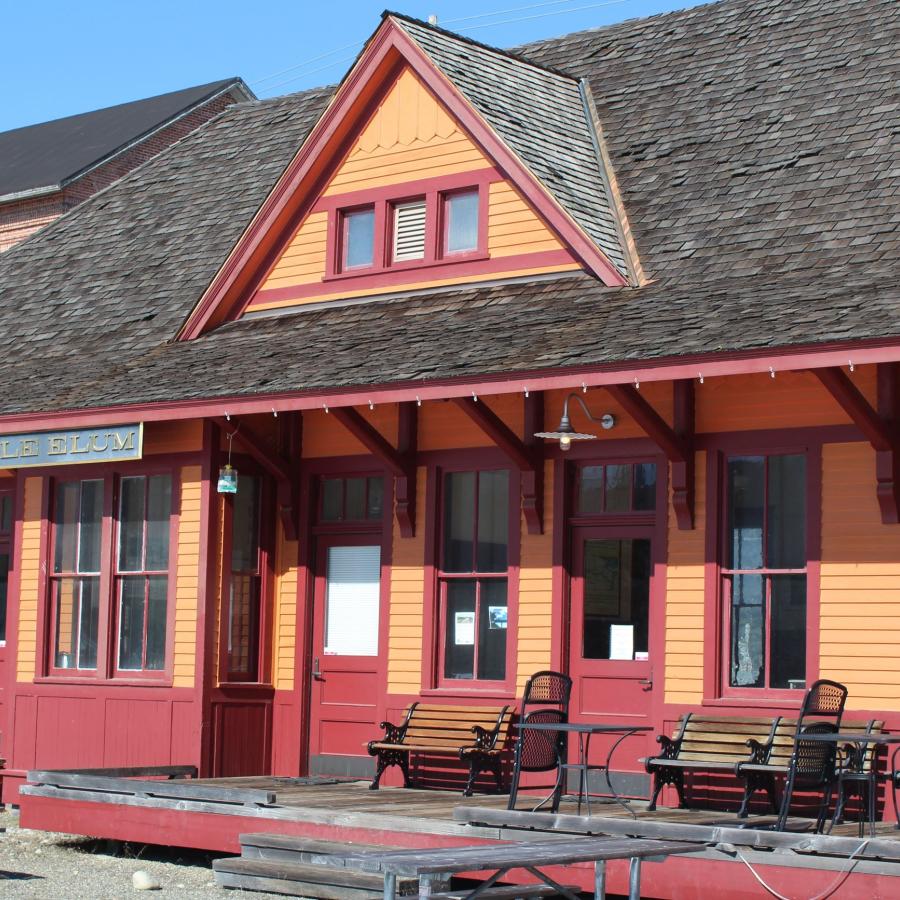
(409, 230)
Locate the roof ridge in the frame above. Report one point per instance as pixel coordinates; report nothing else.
(510, 54)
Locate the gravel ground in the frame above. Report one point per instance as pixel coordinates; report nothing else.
(65, 867)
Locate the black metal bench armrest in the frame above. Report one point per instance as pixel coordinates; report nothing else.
(485, 738)
(393, 734)
(669, 747)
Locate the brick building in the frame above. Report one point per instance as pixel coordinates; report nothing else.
(48, 168)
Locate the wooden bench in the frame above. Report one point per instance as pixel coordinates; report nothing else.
(704, 743)
(770, 759)
(475, 734)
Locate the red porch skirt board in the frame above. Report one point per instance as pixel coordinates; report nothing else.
(12, 780)
(679, 878)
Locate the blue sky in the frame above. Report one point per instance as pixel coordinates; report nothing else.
(60, 58)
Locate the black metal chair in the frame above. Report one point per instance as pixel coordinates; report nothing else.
(857, 775)
(547, 695)
(812, 763)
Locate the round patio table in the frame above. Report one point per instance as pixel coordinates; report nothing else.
(585, 731)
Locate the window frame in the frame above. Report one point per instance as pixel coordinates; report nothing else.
(266, 566)
(716, 688)
(383, 200)
(107, 670)
(434, 626)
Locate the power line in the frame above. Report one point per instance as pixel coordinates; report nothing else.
(307, 62)
(501, 12)
(554, 12)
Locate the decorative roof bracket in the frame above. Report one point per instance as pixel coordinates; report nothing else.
(879, 426)
(677, 442)
(526, 456)
(273, 462)
(400, 462)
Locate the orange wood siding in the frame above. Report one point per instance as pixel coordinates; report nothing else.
(173, 437)
(303, 262)
(324, 436)
(536, 592)
(29, 582)
(444, 426)
(411, 136)
(407, 602)
(513, 227)
(284, 648)
(860, 582)
(685, 600)
(789, 400)
(187, 578)
(410, 133)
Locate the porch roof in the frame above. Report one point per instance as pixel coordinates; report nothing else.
(751, 141)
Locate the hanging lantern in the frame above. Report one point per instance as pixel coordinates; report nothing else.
(228, 480)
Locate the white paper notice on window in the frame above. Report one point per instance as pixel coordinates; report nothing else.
(621, 641)
(352, 600)
(464, 629)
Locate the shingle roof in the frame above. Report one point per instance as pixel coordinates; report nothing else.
(514, 97)
(51, 154)
(754, 142)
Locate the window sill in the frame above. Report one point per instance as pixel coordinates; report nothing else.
(103, 682)
(412, 265)
(754, 702)
(245, 686)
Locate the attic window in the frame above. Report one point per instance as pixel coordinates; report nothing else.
(443, 221)
(461, 222)
(359, 238)
(409, 230)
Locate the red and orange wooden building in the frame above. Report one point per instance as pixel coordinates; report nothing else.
(368, 302)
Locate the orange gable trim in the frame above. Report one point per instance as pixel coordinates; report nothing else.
(304, 178)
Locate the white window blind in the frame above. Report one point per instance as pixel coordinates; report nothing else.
(352, 600)
(409, 230)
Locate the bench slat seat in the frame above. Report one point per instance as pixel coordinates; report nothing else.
(475, 734)
(706, 743)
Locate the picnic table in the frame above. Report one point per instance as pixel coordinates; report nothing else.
(428, 865)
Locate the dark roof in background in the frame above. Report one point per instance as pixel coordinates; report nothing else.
(49, 154)
(754, 144)
(540, 115)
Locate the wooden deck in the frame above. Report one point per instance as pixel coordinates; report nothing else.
(212, 813)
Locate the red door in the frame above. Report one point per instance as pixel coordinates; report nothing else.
(347, 684)
(614, 608)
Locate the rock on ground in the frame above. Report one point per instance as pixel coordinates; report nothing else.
(49, 866)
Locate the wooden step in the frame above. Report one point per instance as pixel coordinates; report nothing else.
(299, 849)
(506, 892)
(296, 880)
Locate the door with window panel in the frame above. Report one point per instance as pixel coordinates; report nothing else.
(615, 609)
(347, 682)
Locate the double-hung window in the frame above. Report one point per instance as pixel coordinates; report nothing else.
(110, 576)
(473, 575)
(142, 572)
(765, 572)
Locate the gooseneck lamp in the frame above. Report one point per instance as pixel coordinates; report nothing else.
(565, 433)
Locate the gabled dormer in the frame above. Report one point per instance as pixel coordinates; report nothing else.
(438, 162)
